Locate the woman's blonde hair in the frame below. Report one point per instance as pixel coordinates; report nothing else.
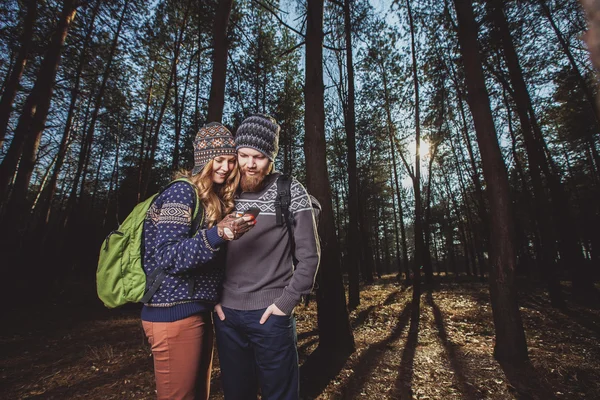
(217, 200)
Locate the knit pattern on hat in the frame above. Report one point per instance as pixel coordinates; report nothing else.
(259, 132)
(212, 140)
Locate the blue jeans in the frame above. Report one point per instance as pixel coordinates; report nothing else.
(251, 354)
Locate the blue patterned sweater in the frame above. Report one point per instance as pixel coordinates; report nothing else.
(194, 264)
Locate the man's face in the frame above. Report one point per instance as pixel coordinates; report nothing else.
(254, 166)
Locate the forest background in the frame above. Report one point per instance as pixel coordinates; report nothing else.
(448, 138)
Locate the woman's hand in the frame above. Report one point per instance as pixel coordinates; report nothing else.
(232, 227)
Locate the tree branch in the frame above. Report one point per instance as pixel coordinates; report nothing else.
(266, 7)
(291, 50)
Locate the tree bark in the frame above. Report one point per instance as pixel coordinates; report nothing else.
(352, 240)
(418, 227)
(335, 334)
(216, 101)
(392, 135)
(510, 346)
(535, 155)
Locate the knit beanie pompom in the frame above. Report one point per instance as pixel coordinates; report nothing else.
(259, 132)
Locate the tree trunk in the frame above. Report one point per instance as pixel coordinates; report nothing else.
(352, 240)
(378, 268)
(33, 119)
(397, 235)
(216, 101)
(426, 227)
(510, 346)
(366, 233)
(45, 204)
(392, 135)
(335, 334)
(146, 174)
(114, 182)
(418, 228)
(534, 153)
(141, 153)
(12, 83)
(80, 174)
(520, 235)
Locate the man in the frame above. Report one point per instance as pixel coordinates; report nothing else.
(256, 328)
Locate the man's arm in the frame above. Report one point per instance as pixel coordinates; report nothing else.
(307, 251)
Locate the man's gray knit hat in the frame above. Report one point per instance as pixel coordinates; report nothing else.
(259, 132)
(212, 140)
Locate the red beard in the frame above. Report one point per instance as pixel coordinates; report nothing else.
(252, 183)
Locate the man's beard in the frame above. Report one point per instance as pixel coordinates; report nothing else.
(252, 183)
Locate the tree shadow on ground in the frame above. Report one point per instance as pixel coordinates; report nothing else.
(85, 386)
(579, 315)
(362, 316)
(368, 359)
(302, 348)
(403, 385)
(526, 383)
(307, 334)
(320, 368)
(86, 345)
(454, 355)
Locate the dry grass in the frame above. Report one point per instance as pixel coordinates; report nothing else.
(445, 353)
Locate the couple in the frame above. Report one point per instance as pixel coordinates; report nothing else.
(241, 267)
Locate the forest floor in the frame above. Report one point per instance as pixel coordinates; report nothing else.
(445, 351)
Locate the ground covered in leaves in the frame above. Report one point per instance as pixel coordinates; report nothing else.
(442, 349)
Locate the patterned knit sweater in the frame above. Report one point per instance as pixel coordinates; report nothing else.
(194, 264)
(259, 267)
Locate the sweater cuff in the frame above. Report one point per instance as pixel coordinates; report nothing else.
(286, 303)
(212, 235)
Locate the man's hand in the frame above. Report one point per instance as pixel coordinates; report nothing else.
(272, 309)
(232, 227)
(220, 312)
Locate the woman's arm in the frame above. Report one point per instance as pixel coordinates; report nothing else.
(176, 250)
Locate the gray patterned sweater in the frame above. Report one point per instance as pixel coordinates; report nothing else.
(259, 268)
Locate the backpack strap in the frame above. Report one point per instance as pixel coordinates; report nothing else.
(283, 199)
(282, 210)
(156, 278)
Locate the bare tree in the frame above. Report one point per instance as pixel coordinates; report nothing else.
(335, 334)
(216, 100)
(35, 111)
(510, 347)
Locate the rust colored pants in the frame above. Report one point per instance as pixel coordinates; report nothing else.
(182, 352)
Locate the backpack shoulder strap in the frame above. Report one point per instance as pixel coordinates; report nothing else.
(282, 209)
(283, 199)
(156, 278)
(198, 213)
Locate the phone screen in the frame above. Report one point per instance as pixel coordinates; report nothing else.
(253, 211)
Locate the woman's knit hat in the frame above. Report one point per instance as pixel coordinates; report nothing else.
(212, 140)
(259, 132)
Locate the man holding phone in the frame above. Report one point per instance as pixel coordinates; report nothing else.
(256, 328)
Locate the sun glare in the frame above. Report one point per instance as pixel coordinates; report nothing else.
(423, 149)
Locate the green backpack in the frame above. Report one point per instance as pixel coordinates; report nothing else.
(120, 277)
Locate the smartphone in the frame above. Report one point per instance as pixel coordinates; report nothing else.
(253, 211)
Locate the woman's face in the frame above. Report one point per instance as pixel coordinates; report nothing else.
(222, 167)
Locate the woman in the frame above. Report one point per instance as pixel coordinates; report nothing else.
(177, 319)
